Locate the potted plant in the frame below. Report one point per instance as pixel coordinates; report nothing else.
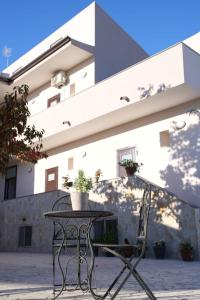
(67, 184)
(97, 240)
(79, 196)
(129, 250)
(159, 248)
(110, 237)
(98, 173)
(187, 251)
(130, 166)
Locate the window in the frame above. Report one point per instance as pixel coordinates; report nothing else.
(25, 236)
(98, 229)
(51, 179)
(104, 228)
(53, 101)
(10, 183)
(126, 153)
(72, 89)
(164, 138)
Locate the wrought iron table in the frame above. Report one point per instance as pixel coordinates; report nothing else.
(76, 235)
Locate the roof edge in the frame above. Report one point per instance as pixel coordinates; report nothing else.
(41, 57)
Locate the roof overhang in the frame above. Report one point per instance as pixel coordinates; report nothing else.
(4, 83)
(64, 55)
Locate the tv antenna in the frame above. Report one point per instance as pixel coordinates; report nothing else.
(7, 53)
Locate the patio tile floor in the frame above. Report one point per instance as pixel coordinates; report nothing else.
(26, 276)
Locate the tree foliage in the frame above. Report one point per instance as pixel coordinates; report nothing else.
(17, 139)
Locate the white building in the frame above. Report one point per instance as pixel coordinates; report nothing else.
(60, 72)
(100, 97)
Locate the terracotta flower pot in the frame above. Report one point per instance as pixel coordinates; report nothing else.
(159, 252)
(130, 171)
(187, 255)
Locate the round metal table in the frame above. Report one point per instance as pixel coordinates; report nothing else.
(78, 235)
(77, 214)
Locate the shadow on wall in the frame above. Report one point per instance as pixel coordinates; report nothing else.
(182, 175)
(123, 198)
(171, 219)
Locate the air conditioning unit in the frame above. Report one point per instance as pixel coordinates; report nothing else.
(59, 79)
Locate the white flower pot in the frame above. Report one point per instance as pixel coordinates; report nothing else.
(79, 200)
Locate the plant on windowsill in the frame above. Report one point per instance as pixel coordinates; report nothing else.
(127, 251)
(98, 174)
(187, 251)
(130, 166)
(110, 237)
(159, 248)
(79, 197)
(67, 184)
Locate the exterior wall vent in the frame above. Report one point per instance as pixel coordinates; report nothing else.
(59, 79)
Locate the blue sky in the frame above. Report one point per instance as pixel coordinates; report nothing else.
(154, 24)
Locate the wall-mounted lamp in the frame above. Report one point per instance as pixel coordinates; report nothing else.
(83, 154)
(30, 169)
(178, 125)
(67, 122)
(194, 112)
(125, 98)
(84, 75)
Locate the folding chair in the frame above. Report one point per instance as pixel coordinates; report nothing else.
(130, 263)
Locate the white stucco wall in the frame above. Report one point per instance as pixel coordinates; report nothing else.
(25, 180)
(115, 50)
(191, 66)
(193, 42)
(175, 167)
(100, 107)
(83, 77)
(81, 28)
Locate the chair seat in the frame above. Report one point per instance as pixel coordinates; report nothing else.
(126, 250)
(116, 245)
(69, 245)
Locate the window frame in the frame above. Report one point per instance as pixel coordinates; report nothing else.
(23, 239)
(118, 167)
(101, 227)
(53, 99)
(6, 186)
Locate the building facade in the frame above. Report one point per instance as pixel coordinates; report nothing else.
(100, 98)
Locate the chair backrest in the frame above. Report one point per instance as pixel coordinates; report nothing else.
(143, 219)
(62, 203)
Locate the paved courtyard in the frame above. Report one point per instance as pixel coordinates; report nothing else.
(29, 276)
